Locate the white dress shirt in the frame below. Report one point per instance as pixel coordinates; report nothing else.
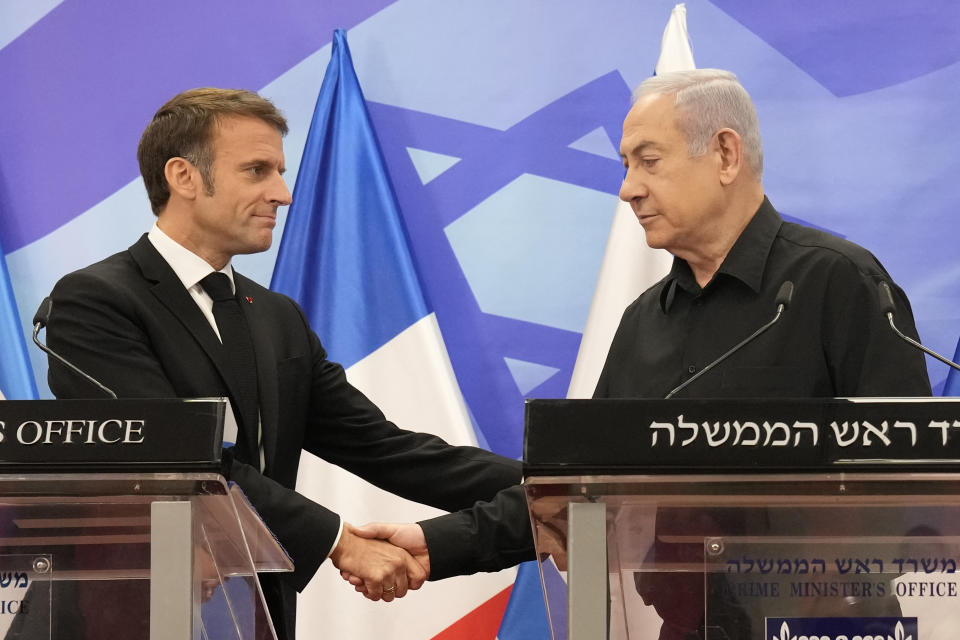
(191, 269)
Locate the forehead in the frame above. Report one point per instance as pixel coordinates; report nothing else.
(243, 135)
(651, 120)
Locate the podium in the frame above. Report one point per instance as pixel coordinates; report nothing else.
(115, 522)
(747, 519)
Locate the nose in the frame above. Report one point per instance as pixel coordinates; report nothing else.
(633, 186)
(279, 194)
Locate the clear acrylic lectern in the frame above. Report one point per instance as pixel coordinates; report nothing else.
(92, 548)
(761, 520)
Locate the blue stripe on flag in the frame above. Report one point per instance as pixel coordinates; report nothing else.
(952, 385)
(344, 255)
(16, 374)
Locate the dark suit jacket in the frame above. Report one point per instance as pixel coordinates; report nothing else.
(130, 323)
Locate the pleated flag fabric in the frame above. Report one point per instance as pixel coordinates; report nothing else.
(629, 266)
(16, 374)
(952, 385)
(345, 258)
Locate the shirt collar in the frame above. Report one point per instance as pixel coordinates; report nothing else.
(746, 260)
(189, 267)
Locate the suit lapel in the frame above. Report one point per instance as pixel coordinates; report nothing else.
(260, 330)
(171, 293)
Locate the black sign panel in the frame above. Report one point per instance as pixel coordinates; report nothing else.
(637, 436)
(111, 435)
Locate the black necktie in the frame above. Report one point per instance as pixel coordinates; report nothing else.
(239, 358)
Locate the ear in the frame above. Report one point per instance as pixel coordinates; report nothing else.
(183, 178)
(729, 148)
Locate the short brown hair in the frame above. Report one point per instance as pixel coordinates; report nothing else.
(183, 128)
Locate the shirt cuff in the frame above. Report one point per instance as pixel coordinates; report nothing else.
(336, 540)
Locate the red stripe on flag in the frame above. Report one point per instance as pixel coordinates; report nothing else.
(482, 623)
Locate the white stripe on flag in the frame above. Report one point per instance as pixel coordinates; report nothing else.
(629, 265)
(411, 380)
(675, 51)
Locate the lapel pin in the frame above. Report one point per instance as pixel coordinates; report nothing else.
(248, 299)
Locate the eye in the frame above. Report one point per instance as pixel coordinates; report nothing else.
(649, 162)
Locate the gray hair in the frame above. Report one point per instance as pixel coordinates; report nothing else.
(708, 100)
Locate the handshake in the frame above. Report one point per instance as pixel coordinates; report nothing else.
(382, 561)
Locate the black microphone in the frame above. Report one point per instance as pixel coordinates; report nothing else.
(782, 301)
(40, 320)
(887, 307)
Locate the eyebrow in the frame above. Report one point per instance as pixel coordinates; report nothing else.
(640, 147)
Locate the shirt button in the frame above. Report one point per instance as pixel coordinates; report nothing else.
(691, 369)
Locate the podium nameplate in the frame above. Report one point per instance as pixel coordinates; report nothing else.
(56, 436)
(571, 437)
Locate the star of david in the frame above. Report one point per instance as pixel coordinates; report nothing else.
(490, 159)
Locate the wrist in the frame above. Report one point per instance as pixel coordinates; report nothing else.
(343, 543)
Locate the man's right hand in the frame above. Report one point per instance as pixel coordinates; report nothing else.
(383, 571)
(406, 536)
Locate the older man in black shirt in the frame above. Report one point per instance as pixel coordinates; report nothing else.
(691, 148)
(833, 340)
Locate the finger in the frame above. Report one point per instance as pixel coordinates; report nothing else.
(374, 590)
(415, 574)
(401, 581)
(390, 590)
(375, 530)
(394, 583)
(352, 579)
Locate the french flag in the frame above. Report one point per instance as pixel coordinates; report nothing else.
(345, 258)
(16, 375)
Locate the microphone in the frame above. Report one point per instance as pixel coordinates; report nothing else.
(782, 301)
(887, 307)
(40, 320)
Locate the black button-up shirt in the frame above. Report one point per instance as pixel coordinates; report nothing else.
(832, 340)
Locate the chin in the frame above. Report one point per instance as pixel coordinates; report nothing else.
(655, 242)
(256, 247)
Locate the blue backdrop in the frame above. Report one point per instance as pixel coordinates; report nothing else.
(499, 123)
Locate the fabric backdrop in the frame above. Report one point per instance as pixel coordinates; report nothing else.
(499, 123)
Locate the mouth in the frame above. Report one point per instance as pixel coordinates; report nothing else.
(645, 218)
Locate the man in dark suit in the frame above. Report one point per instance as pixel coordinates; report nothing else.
(148, 323)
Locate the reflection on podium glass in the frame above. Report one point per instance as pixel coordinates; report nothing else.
(693, 557)
(82, 558)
